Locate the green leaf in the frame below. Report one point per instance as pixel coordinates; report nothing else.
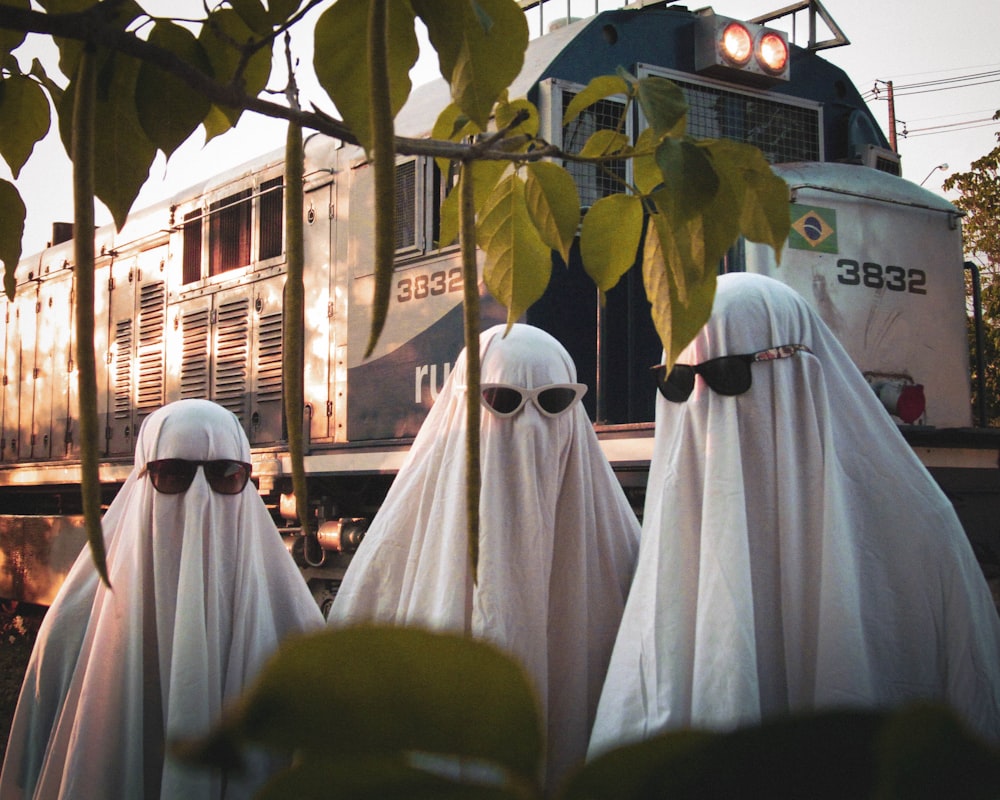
(600, 87)
(926, 752)
(390, 693)
(819, 755)
(628, 772)
(688, 174)
(170, 110)
(11, 40)
(452, 125)
(12, 215)
(55, 90)
(506, 112)
(378, 778)
(253, 15)
(122, 14)
(679, 284)
(25, 111)
(763, 195)
(341, 61)
(605, 143)
(222, 38)
(280, 10)
(123, 154)
(480, 47)
(663, 103)
(518, 263)
(486, 174)
(216, 123)
(646, 173)
(554, 205)
(609, 238)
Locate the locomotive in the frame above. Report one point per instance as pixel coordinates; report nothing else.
(190, 297)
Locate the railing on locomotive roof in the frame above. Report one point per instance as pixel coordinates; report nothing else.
(544, 14)
(541, 21)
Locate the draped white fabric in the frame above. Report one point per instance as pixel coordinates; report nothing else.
(203, 592)
(557, 539)
(795, 553)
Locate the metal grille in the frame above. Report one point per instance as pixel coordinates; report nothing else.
(783, 132)
(406, 205)
(271, 211)
(231, 339)
(123, 369)
(593, 181)
(192, 246)
(194, 359)
(269, 358)
(229, 233)
(152, 315)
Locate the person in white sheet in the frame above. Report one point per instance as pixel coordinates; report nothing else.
(796, 555)
(557, 540)
(203, 593)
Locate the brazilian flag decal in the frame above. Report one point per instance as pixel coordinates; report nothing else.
(813, 228)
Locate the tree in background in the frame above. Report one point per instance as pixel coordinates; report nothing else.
(979, 198)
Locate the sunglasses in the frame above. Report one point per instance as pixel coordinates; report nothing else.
(727, 375)
(174, 475)
(505, 400)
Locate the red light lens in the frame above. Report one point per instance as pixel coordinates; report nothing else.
(737, 44)
(911, 403)
(772, 53)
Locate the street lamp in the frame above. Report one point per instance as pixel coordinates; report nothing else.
(939, 166)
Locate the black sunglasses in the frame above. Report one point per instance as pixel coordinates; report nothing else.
(727, 375)
(174, 475)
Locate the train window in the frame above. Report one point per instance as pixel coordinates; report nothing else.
(271, 214)
(192, 246)
(592, 181)
(229, 232)
(421, 187)
(407, 211)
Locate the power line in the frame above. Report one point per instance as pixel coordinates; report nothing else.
(941, 84)
(950, 128)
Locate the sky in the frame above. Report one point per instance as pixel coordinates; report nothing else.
(941, 58)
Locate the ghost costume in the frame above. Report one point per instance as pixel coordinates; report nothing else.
(203, 592)
(795, 554)
(557, 543)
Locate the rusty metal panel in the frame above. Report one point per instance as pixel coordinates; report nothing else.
(36, 553)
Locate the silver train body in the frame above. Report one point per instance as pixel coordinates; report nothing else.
(190, 305)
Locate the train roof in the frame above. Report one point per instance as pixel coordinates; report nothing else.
(853, 180)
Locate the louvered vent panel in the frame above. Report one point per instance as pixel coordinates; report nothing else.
(194, 360)
(231, 352)
(152, 315)
(123, 369)
(269, 359)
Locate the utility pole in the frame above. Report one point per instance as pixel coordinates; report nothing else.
(892, 111)
(892, 117)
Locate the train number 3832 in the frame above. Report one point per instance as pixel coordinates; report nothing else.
(420, 287)
(875, 276)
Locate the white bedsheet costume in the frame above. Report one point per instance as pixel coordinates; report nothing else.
(795, 553)
(557, 539)
(203, 592)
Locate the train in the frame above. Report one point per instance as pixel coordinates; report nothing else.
(190, 298)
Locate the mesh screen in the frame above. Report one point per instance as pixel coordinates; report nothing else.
(593, 181)
(406, 205)
(781, 131)
(271, 211)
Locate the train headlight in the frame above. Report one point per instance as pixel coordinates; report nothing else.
(772, 52)
(736, 44)
(740, 51)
